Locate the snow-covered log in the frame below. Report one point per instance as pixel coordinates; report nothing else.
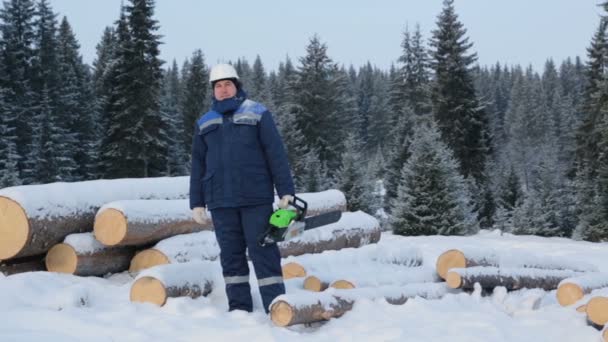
(353, 230)
(315, 284)
(124, 223)
(510, 278)
(572, 290)
(455, 258)
(20, 265)
(597, 311)
(138, 222)
(193, 279)
(33, 218)
(293, 270)
(309, 307)
(203, 245)
(80, 254)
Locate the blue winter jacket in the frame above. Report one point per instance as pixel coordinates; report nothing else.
(237, 156)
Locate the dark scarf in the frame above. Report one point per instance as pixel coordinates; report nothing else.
(230, 104)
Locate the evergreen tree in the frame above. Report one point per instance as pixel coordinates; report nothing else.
(17, 32)
(9, 172)
(432, 196)
(170, 94)
(194, 99)
(460, 117)
(351, 177)
(415, 75)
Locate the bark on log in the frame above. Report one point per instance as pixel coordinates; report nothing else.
(203, 245)
(455, 258)
(34, 218)
(131, 223)
(157, 284)
(293, 270)
(314, 307)
(128, 223)
(572, 290)
(597, 311)
(80, 254)
(352, 231)
(21, 265)
(510, 278)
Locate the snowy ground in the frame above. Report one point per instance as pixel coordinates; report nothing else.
(53, 307)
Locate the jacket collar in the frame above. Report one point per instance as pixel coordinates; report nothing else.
(231, 104)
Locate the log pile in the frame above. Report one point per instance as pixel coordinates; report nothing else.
(20, 265)
(352, 231)
(597, 312)
(33, 218)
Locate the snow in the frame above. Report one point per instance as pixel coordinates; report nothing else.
(84, 243)
(65, 199)
(58, 307)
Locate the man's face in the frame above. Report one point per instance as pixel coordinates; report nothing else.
(224, 89)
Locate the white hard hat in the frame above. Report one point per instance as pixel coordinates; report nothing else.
(221, 72)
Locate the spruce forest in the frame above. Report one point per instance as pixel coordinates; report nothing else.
(437, 144)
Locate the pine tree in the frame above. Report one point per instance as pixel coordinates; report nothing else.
(170, 94)
(432, 196)
(351, 177)
(17, 32)
(9, 172)
(194, 99)
(415, 73)
(461, 119)
(259, 90)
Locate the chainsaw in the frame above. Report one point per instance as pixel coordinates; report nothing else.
(285, 224)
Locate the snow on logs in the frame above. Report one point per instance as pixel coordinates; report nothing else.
(510, 278)
(34, 218)
(353, 230)
(81, 254)
(571, 290)
(137, 222)
(193, 279)
(309, 307)
(133, 222)
(455, 258)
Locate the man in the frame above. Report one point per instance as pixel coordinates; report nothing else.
(238, 158)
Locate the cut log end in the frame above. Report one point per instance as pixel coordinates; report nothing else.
(450, 259)
(582, 308)
(149, 290)
(454, 280)
(110, 227)
(342, 284)
(281, 313)
(148, 258)
(62, 258)
(597, 310)
(293, 270)
(569, 293)
(605, 335)
(14, 228)
(312, 283)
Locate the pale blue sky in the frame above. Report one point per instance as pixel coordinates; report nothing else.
(509, 31)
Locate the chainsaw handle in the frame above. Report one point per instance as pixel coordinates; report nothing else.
(302, 208)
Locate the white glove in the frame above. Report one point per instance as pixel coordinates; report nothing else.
(284, 201)
(199, 214)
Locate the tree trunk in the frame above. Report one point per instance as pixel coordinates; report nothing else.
(572, 290)
(315, 306)
(192, 280)
(33, 218)
(81, 254)
(597, 312)
(455, 258)
(20, 265)
(510, 278)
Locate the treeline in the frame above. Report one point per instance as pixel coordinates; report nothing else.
(442, 145)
